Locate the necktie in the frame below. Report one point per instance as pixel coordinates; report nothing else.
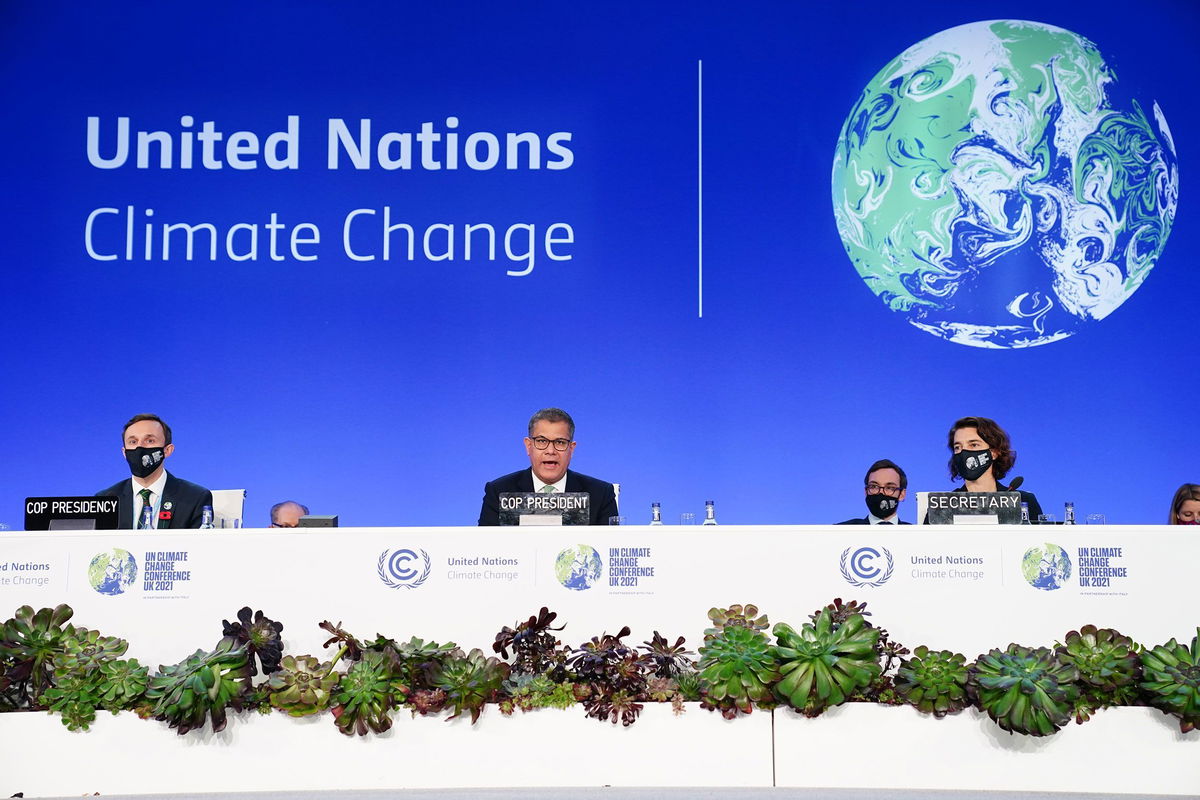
(145, 495)
(884, 522)
(548, 489)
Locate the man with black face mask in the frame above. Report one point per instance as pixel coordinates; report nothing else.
(171, 502)
(884, 488)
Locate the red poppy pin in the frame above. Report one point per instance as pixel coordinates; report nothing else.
(164, 515)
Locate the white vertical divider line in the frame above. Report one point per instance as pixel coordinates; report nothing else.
(700, 188)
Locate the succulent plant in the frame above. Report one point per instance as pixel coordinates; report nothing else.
(469, 682)
(427, 701)
(689, 685)
(200, 687)
(350, 647)
(85, 649)
(615, 675)
(668, 659)
(302, 685)
(824, 663)
(123, 684)
(661, 690)
(934, 681)
(1024, 690)
(528, 692)
(1172, 680)
(366, 695)
(736, 616)
(75, 696)
(616, 706)
(259, 635)
(29, 642)
(1108, 665)
(737, 664)
(535, 649)
(411, 660)
(842, 611)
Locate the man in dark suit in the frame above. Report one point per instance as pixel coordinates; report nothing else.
(884, 488)
(550, 444)
(172, 502)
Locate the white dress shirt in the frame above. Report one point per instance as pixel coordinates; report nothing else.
(156, 491)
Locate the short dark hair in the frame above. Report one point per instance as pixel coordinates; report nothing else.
(886, 463)
(1189, 491)
(553, 415)
(275, 508)
(996, 439)
(148, 418)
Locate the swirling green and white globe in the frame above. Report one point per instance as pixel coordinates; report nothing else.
(997, 187)
(1047, 567)
(578, 567)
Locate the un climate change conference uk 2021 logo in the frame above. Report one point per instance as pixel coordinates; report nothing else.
(113, 572)
(1046, 567)
(403, 568)
(863, 567)
(578, 567)
(999, 187)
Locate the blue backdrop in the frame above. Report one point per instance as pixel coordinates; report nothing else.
(389, 391)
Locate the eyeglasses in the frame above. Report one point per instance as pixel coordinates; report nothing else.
(891, 489)
(541, 443)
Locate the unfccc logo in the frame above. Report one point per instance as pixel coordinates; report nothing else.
(404, 568)
(864, 566)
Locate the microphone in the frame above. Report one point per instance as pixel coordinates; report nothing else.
(1016, 483)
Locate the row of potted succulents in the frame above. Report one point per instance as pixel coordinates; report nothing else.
(47, 663)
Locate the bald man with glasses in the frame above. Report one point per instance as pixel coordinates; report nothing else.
(550, 445)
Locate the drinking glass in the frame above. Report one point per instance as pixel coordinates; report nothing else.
(687, 518)
(1096, 519)
(1046, 519)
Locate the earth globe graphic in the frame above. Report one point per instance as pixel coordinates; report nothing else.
(998, 187)
(1046, 567)
(113, 572)
(578, 567)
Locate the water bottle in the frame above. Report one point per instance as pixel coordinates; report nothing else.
(147, 521)
(710, 513)
(1069, 514)
(656, 514)
(206, 518)
(1025, 514)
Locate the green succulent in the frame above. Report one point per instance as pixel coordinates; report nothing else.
(1024, 690)
(469, 682)
(737, 667)
(1172, 680)
(200, 687)
(302, 685)
(29, 641)
(366, 695)
(528, 692)
(1109, 668)
(824, 663)
(75, 696)
(85, 649)
(123, 684)
(410, 660)
(736, 616)
(934, 681)
(689, 685)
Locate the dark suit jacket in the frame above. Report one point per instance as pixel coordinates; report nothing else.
(186, 498)
(601, 505)
(865, 521)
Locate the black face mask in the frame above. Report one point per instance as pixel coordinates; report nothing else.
(144, 460)
(971, 464)
(881, 506)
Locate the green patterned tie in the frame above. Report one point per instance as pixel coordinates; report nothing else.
(548, 489)
(145, 495)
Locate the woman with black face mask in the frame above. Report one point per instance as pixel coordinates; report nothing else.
(981, 454)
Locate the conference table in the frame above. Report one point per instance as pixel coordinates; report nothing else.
(969, 589)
